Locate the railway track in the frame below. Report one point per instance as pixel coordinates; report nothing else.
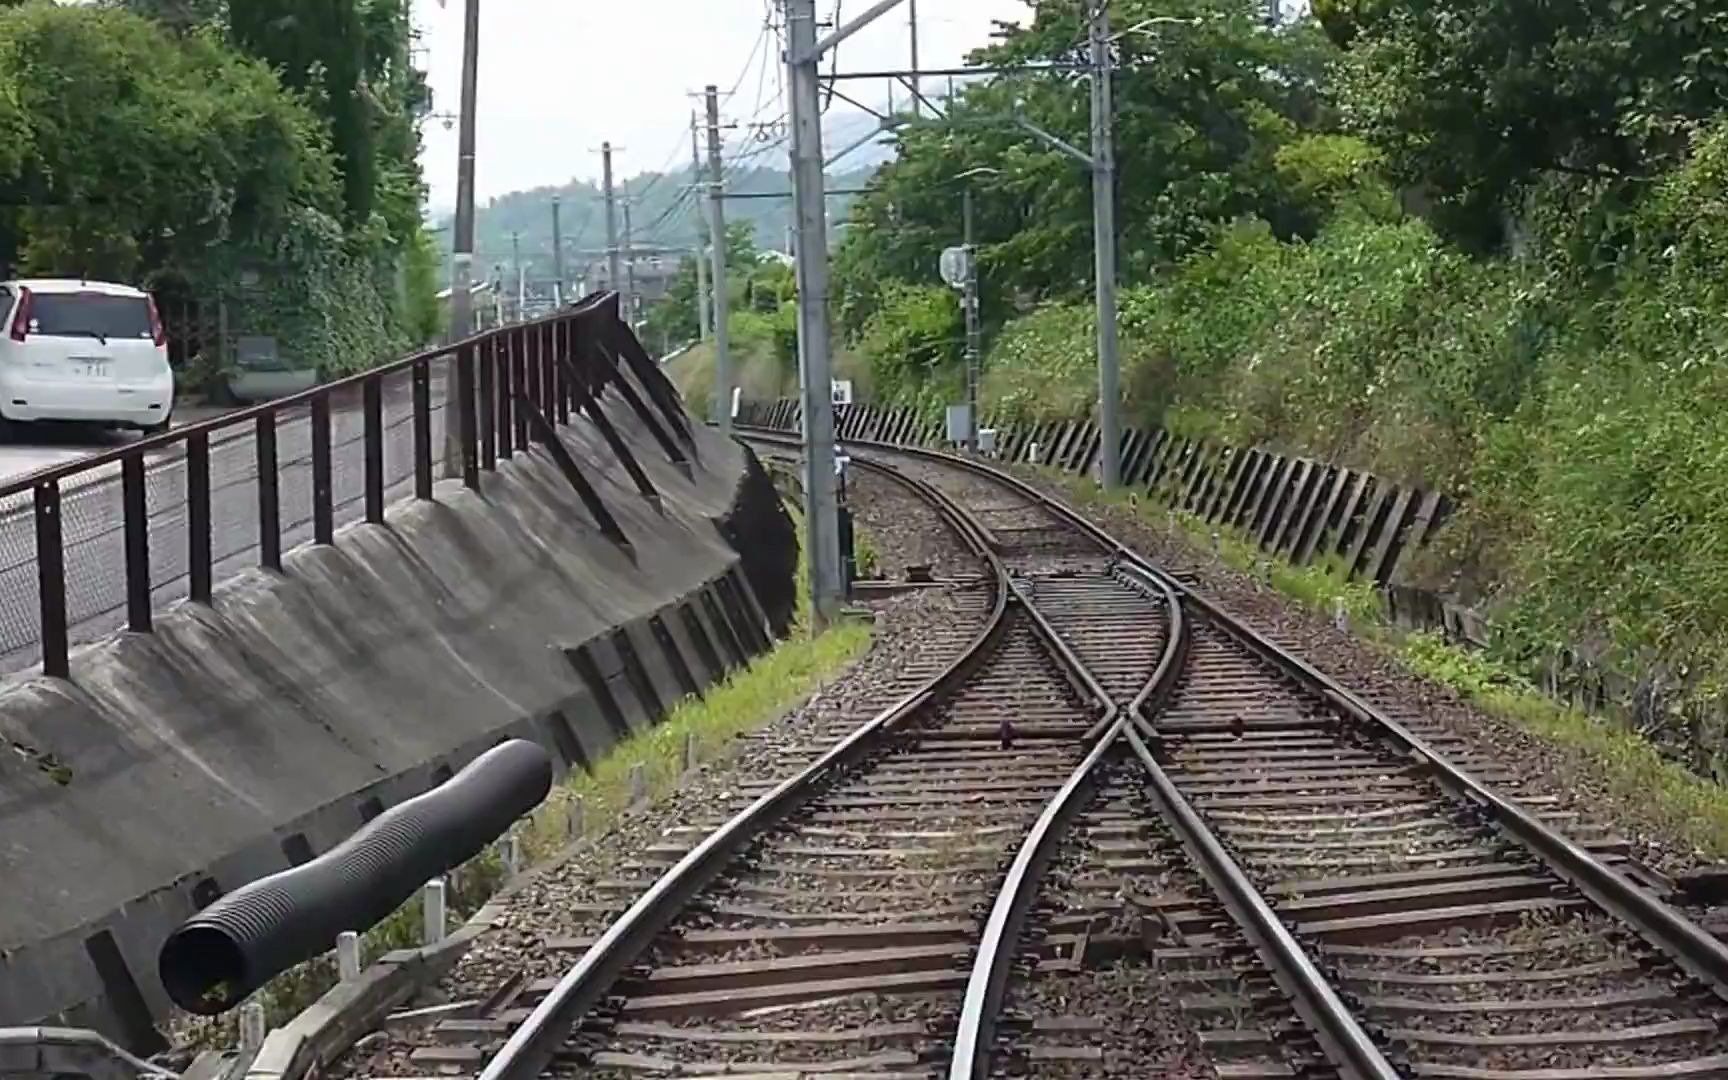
(1119, 835)
(1468, 938)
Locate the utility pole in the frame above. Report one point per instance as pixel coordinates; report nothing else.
(1104, 246)
(614, 274)
(917, 83)
(557, 250)
(717, 252)
(821, 520)
(629, 269)
(462, 240)
(701, 255)
(972, 334)
(516, 272)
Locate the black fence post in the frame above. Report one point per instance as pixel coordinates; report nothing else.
(198, 515)
(488, 361)
(372, 420)
(323, 499)
(423, 430)
(467, 430)
(504, 361)
(135, 514)
(561, 331)
(269, 494)
(538, 379)
(519, 388)
(51, 581)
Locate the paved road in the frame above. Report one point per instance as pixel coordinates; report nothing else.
(43, 446)
(93, 524)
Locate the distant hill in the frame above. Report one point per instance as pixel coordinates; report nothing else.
(663, 206)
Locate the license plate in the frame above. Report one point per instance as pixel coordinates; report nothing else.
(96, 369)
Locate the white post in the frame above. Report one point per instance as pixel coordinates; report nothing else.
(638, 784)
(253, 1028)
(432, 902)
(348, 955)
(573, 819)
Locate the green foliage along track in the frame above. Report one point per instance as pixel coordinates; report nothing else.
(1474, 246)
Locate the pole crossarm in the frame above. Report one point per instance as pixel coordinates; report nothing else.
(841, 33)
(1067, 148)
(958, 72)
(790, 194)
(918, 98)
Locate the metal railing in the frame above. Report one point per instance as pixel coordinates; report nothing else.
(117, 535)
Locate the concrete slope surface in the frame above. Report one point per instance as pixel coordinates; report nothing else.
(257, 731)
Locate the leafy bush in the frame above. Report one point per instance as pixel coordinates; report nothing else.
(917, 331)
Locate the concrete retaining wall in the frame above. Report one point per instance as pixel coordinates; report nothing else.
(258, 731)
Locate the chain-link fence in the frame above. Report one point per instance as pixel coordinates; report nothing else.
(100, 544)
(93, 521)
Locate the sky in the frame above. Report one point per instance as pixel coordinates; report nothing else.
(559, 77)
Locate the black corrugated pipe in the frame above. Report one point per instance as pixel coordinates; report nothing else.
(231, 948)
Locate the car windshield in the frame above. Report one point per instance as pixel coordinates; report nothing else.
(87, 314)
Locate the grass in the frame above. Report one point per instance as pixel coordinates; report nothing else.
(864, 552)
(755, 369)
(1688, 807)
(770, 686)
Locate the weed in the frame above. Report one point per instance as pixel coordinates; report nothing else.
(767, 688)
(1686, 805)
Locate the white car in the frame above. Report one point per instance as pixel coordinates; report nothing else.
(84, 351)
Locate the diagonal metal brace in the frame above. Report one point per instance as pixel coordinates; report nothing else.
(590, 407)
(673, 452)
(654, 381)
(548, 436)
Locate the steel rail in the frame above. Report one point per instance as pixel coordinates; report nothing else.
(987, 985)
(532, 1047)
(992, 965)
(1691, 947)
(1341, 1037)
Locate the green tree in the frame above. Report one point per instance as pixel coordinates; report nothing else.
(133, 153)
(320, 48)
(1478, 100)
(674, 317)
(1202, 110)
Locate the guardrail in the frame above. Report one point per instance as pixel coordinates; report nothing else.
(191, 506)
